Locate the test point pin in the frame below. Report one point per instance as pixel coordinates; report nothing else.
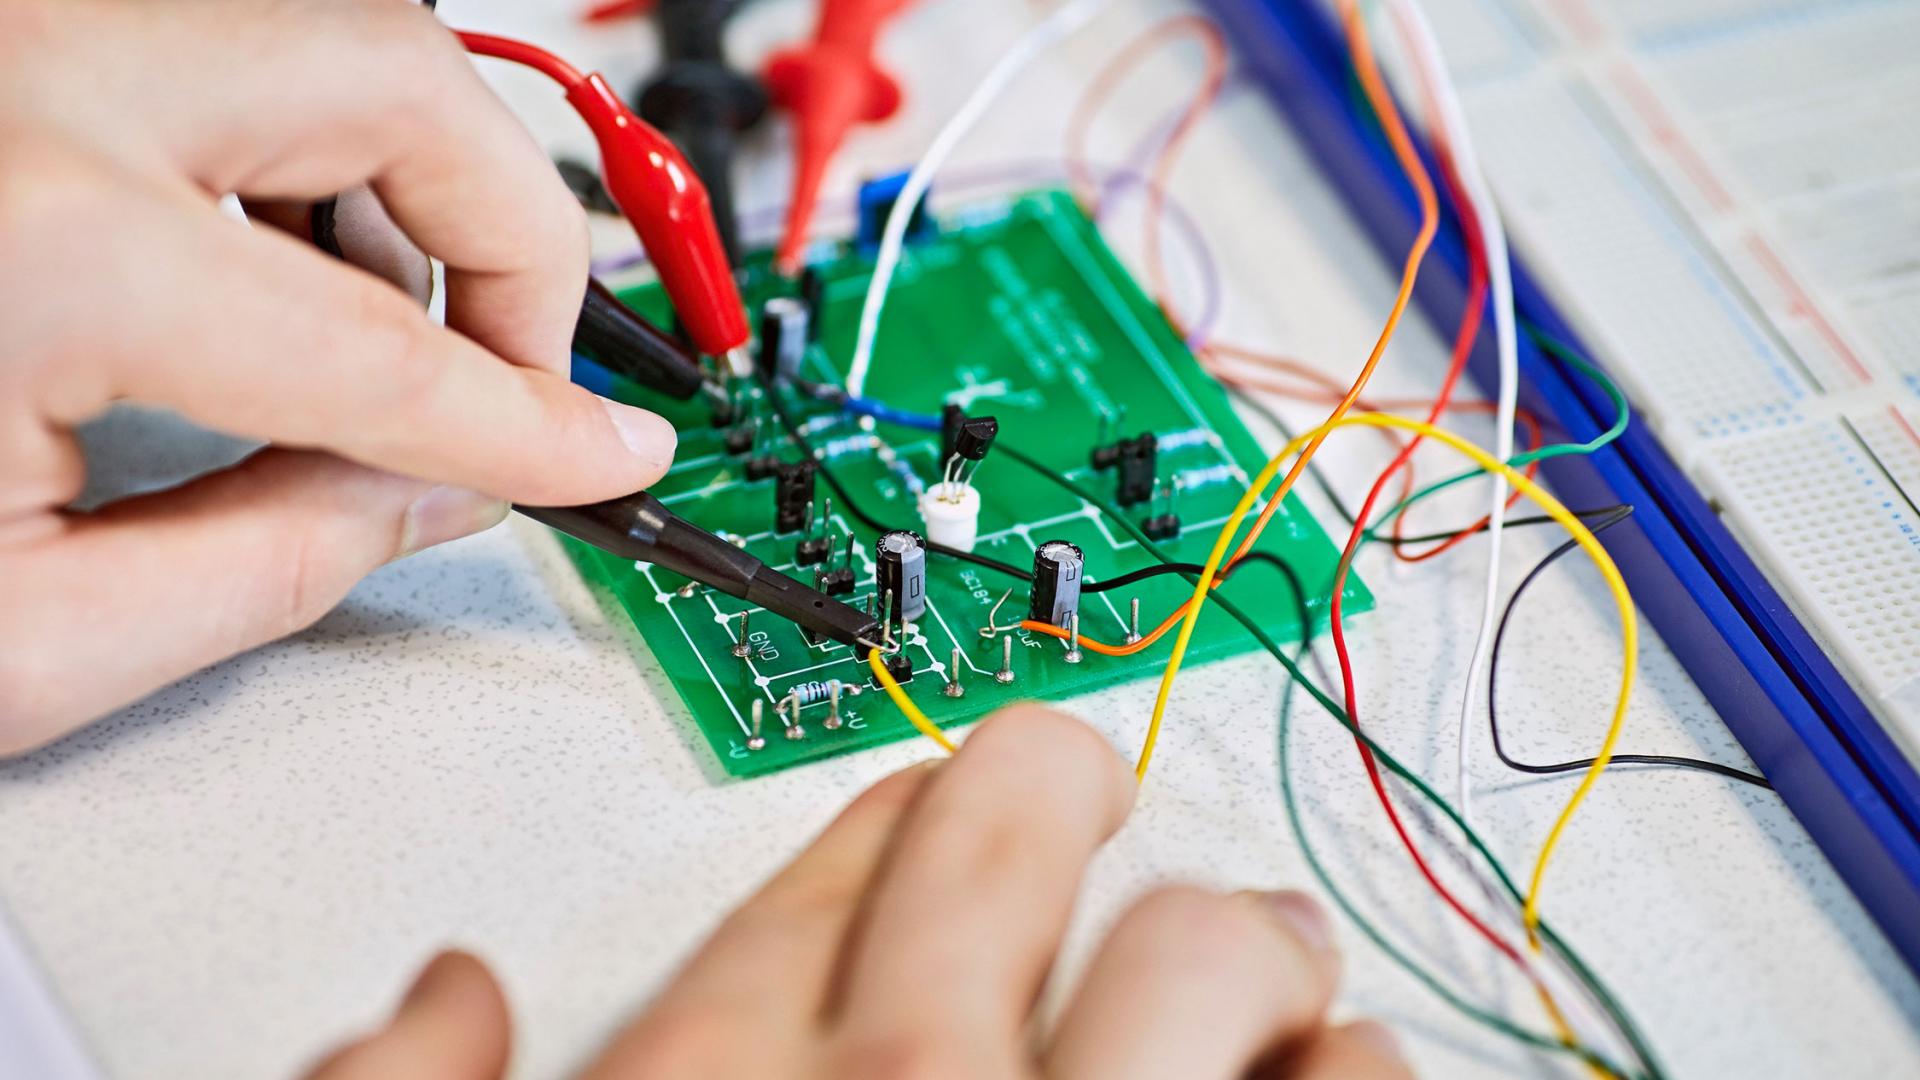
(743, 648)
(953, 687)
(1005, 674)
(1133, 621)
(755, 741)
(832, 722)
(1072, 655)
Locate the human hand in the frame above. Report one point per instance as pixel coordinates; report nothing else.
(912, 939)
(120, 126)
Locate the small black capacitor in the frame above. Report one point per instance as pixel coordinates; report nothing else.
(900, 575)
(1057, 566)
(1139, 462)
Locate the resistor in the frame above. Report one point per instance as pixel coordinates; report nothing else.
(1180, 440)
(1217, 474)
(813, 693)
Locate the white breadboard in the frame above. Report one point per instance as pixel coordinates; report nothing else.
(1724, 195)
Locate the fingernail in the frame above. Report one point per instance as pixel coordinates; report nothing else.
(1378, 1036)
(446, 513)
(1303, 915)
(648, 436)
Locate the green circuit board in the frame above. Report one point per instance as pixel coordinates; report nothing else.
(1014, 309)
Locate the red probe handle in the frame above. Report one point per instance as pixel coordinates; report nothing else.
(659, 193)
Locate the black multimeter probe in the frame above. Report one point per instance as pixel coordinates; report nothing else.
(640, 527)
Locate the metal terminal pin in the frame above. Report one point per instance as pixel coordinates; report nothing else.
(992, 628)
(1072, 655)
(832, 722)
(743, 648)
(826, 517)
(687, 591)
(754, 739)
(953, 687)
(789, 713)
(808, 530)
(1133, 621)
(1005, 674)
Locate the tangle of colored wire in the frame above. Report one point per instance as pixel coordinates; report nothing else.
(1616, 585)
(1562, 951)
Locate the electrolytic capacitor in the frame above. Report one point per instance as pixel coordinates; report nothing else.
(1056, 582)
(900, 575)
(783, 337)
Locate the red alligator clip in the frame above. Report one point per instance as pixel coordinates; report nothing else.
(829, 85)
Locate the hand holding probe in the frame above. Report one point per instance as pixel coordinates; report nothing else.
(640, 527)
(619, 339)
(659, 193)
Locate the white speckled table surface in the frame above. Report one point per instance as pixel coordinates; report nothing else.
(242, 870)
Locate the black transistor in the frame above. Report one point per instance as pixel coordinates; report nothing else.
(1138, 462)
(793, 496)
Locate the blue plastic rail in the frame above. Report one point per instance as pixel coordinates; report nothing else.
(1805, 727)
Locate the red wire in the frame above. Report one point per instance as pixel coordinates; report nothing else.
(520, 52)
(1463, 347)
(614, 10)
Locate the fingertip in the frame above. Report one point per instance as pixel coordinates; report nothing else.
(1302, 916)
(1378, 1038)
(457, 979)
(443, 513)
(1069, 745)
(648, 437)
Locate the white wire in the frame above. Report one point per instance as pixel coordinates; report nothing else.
(1043, 36)
(1417, 33)
(1425, 49)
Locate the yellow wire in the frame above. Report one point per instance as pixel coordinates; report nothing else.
(1629, 627)
(914, 716)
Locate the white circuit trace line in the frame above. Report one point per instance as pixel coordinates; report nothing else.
(647, 572)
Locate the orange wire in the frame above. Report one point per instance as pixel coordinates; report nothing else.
(1395, 128)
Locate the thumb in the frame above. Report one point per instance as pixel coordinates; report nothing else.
(452, 1025)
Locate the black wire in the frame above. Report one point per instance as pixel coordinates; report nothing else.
(1159, 569)
(871, 522)
(1493, 674)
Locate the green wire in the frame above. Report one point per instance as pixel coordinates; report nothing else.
(1473, 1012)
(1563, 352)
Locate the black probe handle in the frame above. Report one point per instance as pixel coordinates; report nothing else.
(640, 527)
(614, 336)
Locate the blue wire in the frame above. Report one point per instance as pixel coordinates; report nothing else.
(889, 414)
